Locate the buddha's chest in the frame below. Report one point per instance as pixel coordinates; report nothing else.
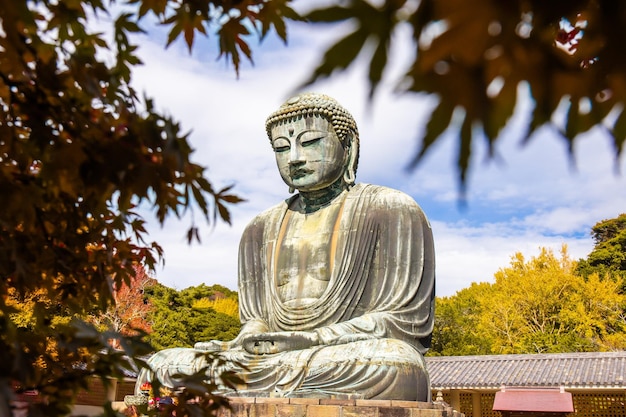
(304, 258)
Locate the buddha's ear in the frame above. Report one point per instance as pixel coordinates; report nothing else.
(349, 172)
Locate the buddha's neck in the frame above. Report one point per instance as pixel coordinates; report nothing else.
(314, 200)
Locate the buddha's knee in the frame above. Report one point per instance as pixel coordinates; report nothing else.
(380, 369)
(166, 363)
(373, 352)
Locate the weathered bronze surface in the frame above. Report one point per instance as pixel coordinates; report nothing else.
(336, 283)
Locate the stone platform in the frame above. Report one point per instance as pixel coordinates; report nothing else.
(310, 407)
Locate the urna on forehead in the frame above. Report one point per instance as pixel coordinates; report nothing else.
(315, 104)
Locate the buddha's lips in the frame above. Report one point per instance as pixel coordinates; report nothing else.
(299, 173)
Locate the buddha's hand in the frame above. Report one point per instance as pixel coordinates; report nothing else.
(213, 346)
(269, 343)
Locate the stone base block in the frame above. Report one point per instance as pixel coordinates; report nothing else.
(299, 407)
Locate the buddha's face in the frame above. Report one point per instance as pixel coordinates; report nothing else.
(308, 152)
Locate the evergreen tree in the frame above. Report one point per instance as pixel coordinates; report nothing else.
(182, 318)
(609, 253)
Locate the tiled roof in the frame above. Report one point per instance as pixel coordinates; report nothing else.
(569, 370)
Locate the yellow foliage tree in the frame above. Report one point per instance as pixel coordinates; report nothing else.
(540, 305)
(228, 306)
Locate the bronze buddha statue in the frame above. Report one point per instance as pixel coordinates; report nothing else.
(336, 283)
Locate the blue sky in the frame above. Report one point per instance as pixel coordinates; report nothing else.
(530, 197)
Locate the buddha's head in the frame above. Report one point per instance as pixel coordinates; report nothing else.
(315, 141)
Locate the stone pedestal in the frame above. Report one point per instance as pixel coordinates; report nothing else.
(309, 407)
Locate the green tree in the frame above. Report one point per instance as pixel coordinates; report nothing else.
(182, 318)
(79, 150)
(475, 55)
(609, 252)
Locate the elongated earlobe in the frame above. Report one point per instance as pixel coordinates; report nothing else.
(291, 190)
(349, 173)
(349, 177)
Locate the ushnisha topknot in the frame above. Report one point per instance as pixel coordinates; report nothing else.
(310, 104)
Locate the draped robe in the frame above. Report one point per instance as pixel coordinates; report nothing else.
(374, 320)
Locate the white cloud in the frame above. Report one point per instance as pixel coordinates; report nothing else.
(473, 254)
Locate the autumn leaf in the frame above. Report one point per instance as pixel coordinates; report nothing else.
(273, 14)
(374, 28)
(231, 43)
(186, 20)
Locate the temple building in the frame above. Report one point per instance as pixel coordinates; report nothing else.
(596, 380)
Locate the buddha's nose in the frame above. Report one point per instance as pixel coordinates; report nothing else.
(295, 156)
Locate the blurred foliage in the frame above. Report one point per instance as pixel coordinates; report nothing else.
(79, 151)
(182, 318)
(192, 395)
(476, 55)
(539, 305)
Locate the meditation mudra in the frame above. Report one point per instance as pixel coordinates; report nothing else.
(336, 283)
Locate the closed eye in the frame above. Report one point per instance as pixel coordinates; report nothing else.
(281, 148)
(281, 145)
(312, 141)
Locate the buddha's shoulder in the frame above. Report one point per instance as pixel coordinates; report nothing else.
(383, 196)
